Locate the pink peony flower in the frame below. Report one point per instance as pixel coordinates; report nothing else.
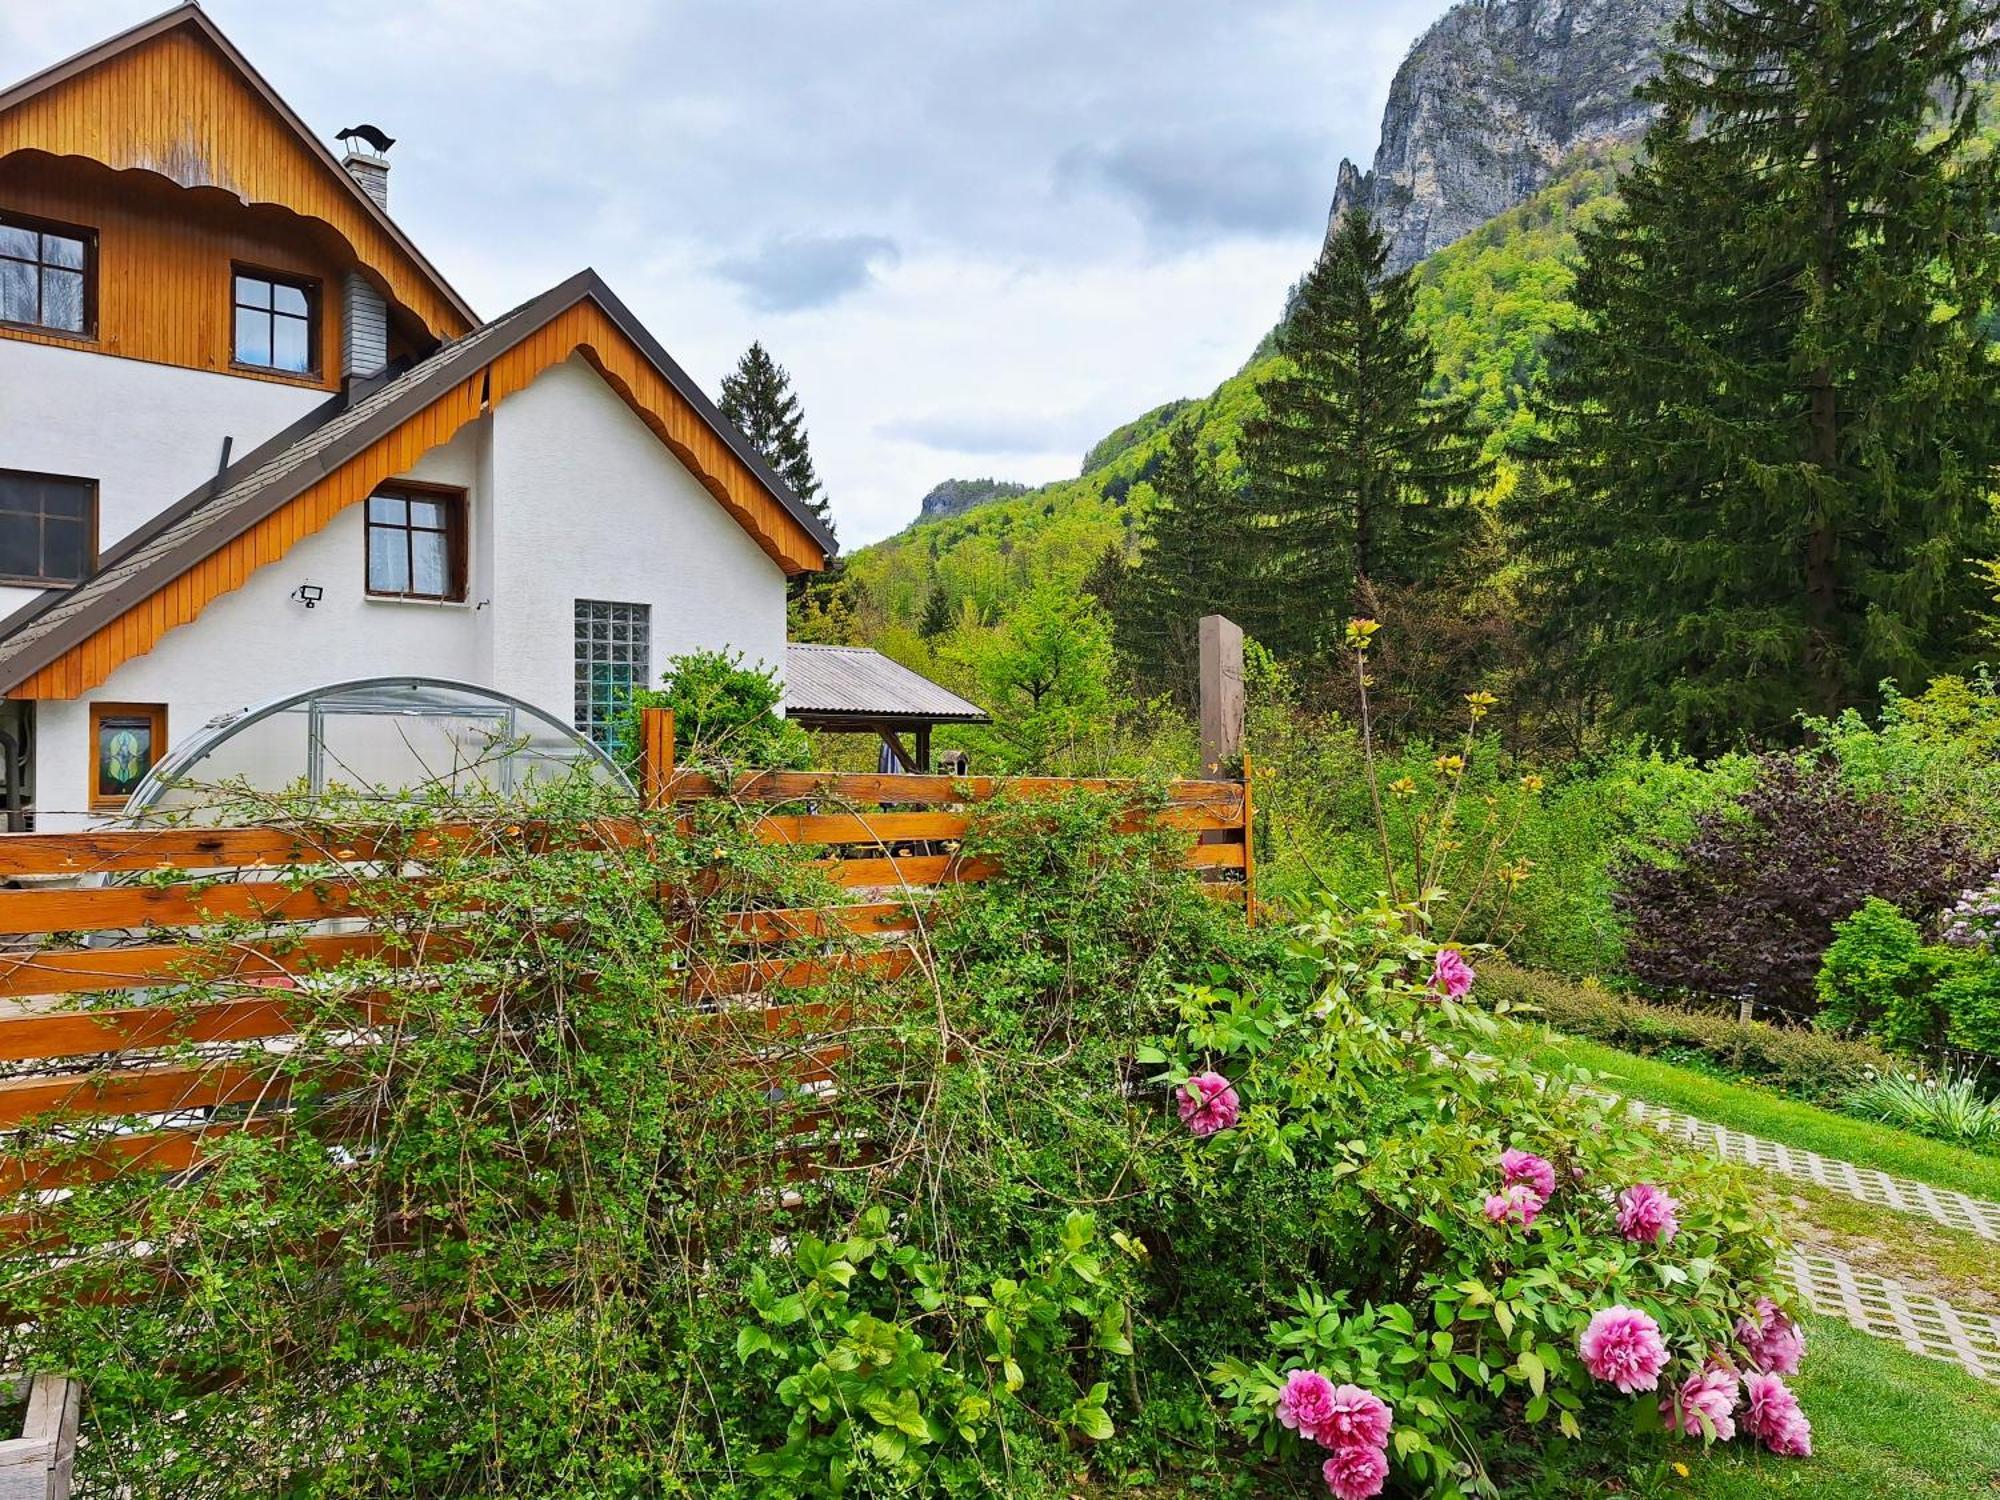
(1646, 1214)
(1525, 1166)
(1305, 1405)
(1356, 1472)
(1359, 1417)
(1519, 1204)
(1773, 1341)
(1209, 1104)
(1774, 1418)
(1451, 975)
(1707, 1393)
(1623, 1345)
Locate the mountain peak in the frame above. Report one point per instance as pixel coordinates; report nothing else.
(1491, 102)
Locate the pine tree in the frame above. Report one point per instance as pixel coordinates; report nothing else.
(1357, 480)
(1778, 419)
(937, 617)
(757, 396)
(1187, 568)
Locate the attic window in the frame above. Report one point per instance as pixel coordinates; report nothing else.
(277, 322)
(45, 273)
(48, 528)
(416, 544)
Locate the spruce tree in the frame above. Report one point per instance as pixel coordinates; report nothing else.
(1187, 568)
(1357, 479)
(937, 617)
(1778, 421)
(757, 396)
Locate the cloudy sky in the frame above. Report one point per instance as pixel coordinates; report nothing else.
(980, 233)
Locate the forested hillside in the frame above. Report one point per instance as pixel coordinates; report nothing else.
(1487, 303)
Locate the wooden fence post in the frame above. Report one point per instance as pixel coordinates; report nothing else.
(656, 754)
(1249, 847)
(1220, 695)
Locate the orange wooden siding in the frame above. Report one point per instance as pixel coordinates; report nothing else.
(175, 106)
(583, 329)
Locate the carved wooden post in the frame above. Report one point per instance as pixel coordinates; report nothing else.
(1221, 695)
(656, 754)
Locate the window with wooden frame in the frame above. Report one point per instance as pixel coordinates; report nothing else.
(277, 321)
(416, 543)
(48, 528)
(47, 275)
(126, 741)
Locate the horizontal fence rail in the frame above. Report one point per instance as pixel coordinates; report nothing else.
(85, 916)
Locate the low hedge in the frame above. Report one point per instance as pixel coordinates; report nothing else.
(1796, 1061)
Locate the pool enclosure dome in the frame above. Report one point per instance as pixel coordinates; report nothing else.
(387, 738)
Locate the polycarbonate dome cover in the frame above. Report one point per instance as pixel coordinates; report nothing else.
(389, 738)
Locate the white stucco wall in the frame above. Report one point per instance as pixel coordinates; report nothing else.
(589, 504)
(147, 433)
(571, 497)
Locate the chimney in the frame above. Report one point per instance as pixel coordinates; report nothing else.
(372, 172)
(367, 160)
(364, 328)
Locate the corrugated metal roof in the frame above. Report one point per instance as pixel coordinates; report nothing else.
(852, 680)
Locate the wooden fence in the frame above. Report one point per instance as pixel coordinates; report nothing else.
(71, 940)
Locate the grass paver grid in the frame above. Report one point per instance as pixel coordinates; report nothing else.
(1922, 1323)
(1952, 1209)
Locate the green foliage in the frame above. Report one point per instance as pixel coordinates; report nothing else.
(1881, 979)
(1798, 1062)
(725, 715)
(1046, 678)
(1356, 479)
(1779, 418)
(1951, 1109)
(1189, 565)
(1372, 1120)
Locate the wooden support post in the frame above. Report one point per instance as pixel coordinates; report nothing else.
(923, 749)
(1221, 696)
(37, 1465)
(1249, 847)
(656, 754)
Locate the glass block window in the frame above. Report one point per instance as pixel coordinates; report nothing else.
(613, 644)
(275, 322)
(45, 275)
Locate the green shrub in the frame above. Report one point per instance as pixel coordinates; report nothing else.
(1951, 1109)
(725, 716)
(1882, 980)
(1796, 1061)
(1349, 1208)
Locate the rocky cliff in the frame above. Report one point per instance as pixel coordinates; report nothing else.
(1489, 105)
(954, 497)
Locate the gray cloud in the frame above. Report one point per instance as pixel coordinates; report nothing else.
(796, 271)
(1183, 183)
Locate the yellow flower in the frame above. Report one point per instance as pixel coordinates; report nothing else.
(1531, 782)
(1680, 1468)
(1402, 786)
(1480, 702)
(1450, 765)
(1359, 632)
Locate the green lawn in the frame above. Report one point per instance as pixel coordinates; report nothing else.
(1886, 1424)
(1745, 1107)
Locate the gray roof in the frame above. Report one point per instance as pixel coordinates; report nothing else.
(854, 682)
(289, 464)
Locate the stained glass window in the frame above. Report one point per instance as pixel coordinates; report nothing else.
(126, 738)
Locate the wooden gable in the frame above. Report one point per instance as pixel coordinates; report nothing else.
(175, 98)
(584, 329)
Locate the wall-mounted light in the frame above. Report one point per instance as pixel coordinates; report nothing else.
(308, 594)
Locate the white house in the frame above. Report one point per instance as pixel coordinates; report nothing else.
(252, 442)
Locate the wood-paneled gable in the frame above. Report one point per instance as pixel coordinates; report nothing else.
(173, 104)
(163, 264)
(583, 330)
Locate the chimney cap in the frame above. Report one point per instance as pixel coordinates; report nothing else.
(373, 136)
